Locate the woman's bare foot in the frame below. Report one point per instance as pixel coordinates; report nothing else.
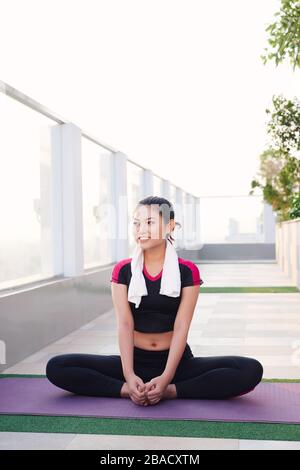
(170, 391)
(124, 391)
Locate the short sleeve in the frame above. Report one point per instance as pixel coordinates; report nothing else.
(119, 273)
(191, 275)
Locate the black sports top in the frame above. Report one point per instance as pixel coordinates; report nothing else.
(156, 312)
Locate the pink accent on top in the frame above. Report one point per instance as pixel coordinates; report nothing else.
(152, 278)
(190, 264)
(193, 268)
(118, 266)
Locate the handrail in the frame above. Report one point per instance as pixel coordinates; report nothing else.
(232, 195)
(36, 106)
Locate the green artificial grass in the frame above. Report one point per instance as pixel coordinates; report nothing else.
(5, 376)
(149, 427)
(250, 290)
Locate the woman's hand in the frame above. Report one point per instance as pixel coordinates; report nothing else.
(156, 388)
(136, 390)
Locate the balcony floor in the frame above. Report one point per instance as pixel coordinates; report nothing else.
(260, 325)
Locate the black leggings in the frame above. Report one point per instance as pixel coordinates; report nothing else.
(215, 377)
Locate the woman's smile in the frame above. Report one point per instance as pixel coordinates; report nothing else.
(143, 240)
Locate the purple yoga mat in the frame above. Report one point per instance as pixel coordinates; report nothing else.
(268, 402)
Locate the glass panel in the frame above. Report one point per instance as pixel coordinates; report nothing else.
(189, 225)
(231, 219)
(134, 192)
(178, 206)
(173, 194)
(192, 222)
(157, 186)
(96, 202)
(177, 232)
(25, 200)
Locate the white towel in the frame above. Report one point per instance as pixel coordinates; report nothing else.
(170, 280)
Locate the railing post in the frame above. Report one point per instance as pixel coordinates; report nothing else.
(179, 217)
(166, 190)
(147, 186)
(48, 207)
(71, 192)
(120, 203)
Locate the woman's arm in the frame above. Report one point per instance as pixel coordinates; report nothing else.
(181, 329)
(125, 326)
(177, 347)
(125, 333)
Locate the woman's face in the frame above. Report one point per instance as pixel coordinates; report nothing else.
(148, 224)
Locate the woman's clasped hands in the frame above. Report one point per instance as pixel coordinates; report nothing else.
(148, 393)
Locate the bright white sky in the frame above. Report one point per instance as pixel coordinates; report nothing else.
(177, 85)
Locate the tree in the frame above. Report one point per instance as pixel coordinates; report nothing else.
(295, 207)
(284, 125)
(284, 36)
(279, 175)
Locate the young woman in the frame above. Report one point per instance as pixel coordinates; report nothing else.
(156, 362)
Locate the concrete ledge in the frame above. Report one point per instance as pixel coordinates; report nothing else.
(33, 317)
(288, 248)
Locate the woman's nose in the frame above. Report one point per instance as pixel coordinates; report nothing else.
(143, 230)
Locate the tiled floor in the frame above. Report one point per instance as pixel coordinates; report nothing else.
(263, 326)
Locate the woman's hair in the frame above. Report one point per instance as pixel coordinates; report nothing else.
(166, 210)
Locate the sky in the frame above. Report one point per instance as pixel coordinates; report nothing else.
(177, 85)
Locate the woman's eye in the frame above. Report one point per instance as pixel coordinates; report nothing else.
(149, 222)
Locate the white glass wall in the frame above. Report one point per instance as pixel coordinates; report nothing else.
(173, 194)
(189, 220)
(193, 219)
(134, 194)
(43, 161)
(25, 200)
(232, 219)
(96, 179)
(177, 232)
(157, 186)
